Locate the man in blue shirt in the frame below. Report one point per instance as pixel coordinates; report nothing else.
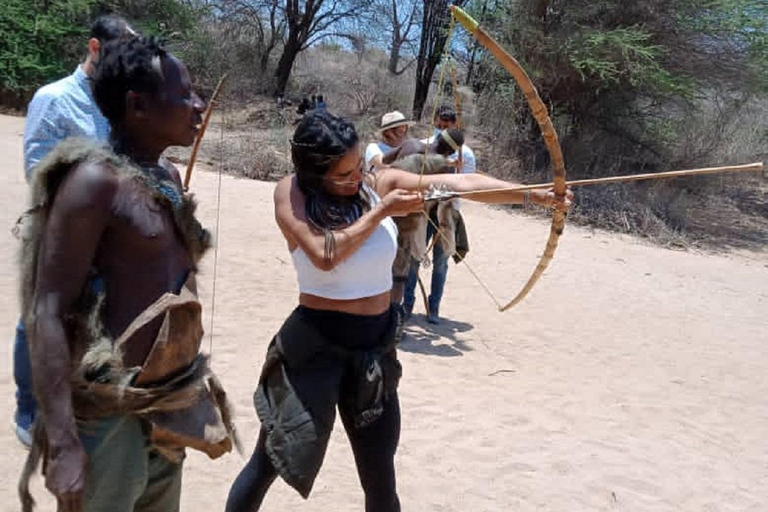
(62, 109)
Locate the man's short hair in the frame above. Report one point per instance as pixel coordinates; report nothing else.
(126, 65)
(446, 113)
(110, 27)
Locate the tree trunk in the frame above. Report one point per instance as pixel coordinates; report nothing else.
(394, 58)
(264, 61)
(394, 53)
(475, 47)
(285, 65)
(420, 95)
(434, 35)
(471, 64)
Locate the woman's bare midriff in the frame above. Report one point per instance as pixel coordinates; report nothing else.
(374, 305)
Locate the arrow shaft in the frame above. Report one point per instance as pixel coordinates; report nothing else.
(758, 166)
(203, 126)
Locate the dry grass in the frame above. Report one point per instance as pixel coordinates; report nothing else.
(709, 212)
(251, 142)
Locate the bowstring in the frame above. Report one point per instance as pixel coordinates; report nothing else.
(440, 82)
(441, 78)
(456, 96)
(447, 60)
(217, 239)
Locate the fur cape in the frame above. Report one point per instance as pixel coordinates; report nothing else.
(413, 227)
(47, 177)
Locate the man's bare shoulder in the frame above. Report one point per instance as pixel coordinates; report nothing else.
(89, 184)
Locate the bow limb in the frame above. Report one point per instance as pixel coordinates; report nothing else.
(201, 133)
(540, 113)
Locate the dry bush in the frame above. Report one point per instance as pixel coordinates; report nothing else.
(353, 87)
(709, 211)
(260, 154)
(255, 160)
(239, 143)
(219, 47)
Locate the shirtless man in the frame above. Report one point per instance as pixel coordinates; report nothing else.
(118, 219)
(59, 110)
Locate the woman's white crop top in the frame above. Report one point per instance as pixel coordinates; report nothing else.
(365, 273)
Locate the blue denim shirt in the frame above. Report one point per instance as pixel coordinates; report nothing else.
(62, 109)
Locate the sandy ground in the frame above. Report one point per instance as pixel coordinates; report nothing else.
(632, 378)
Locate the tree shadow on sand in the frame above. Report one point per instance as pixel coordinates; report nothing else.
(421, 337)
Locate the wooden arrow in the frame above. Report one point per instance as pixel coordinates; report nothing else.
(758, 166)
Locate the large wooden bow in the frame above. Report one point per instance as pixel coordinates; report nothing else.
(539, 111)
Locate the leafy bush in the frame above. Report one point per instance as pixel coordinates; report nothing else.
(43, 40)
(40, 41)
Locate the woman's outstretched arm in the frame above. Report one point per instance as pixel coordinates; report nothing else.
(391, 178)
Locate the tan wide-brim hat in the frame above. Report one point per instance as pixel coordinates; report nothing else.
(393, 120)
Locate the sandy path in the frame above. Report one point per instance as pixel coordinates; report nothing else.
(632, 378)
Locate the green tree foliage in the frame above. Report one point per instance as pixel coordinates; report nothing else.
(173, 20)
(40, 40)
(43, 40)
(623, 77)
(185, 26)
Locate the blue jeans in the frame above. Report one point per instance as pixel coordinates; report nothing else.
(439, 275)
(26, 406)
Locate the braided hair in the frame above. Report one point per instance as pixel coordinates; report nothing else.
(319, 142)
(126, 65)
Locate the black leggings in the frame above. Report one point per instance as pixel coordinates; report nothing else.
(374, 446)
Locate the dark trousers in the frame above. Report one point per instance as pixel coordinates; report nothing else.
(373, 446)
(374, 449)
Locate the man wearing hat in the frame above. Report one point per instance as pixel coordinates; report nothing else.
(394, 128)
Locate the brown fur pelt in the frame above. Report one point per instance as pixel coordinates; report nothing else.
(414, 226)
(47, 177)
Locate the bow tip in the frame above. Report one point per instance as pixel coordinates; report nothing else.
(465, 19)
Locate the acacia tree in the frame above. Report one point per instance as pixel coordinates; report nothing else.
(42, 40)
(434, 35)
(32, 37)
(402, 22)
(474, 44)
(264, 18)
(307, 22)
(390, 24)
